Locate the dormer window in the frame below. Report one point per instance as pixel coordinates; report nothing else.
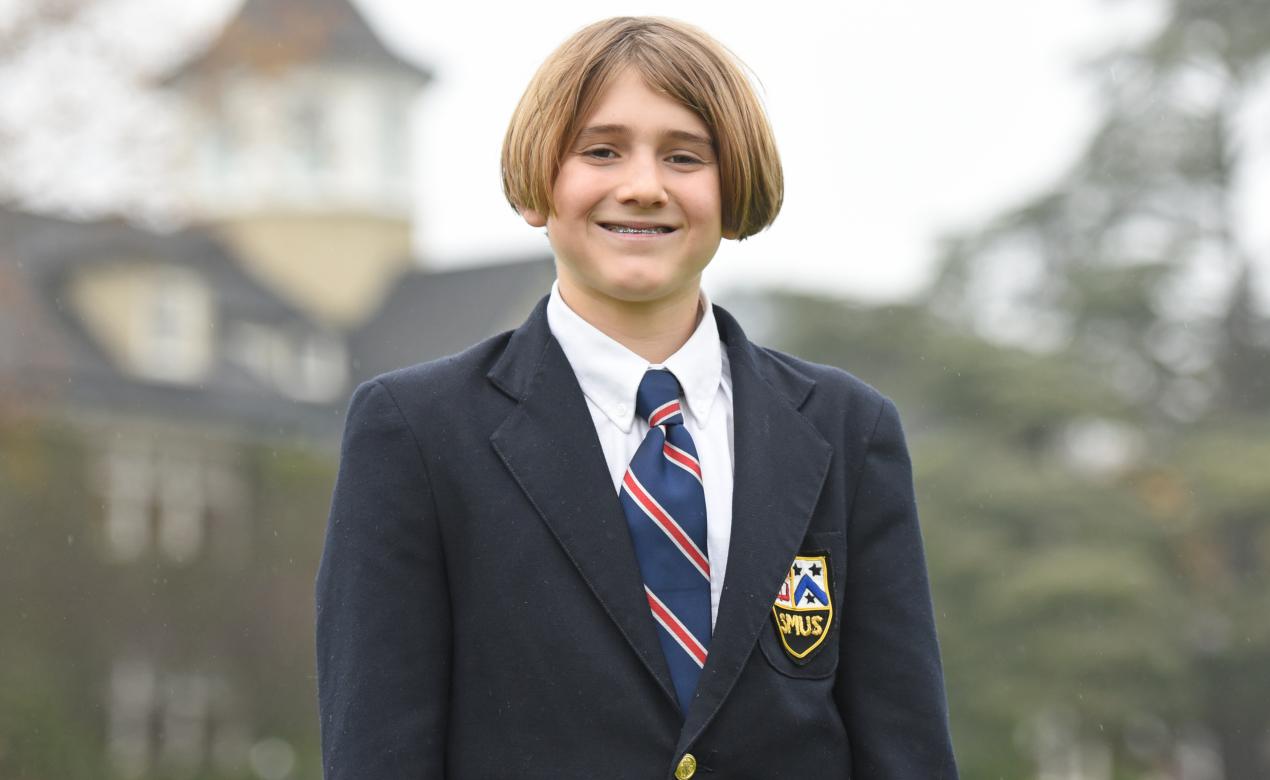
(172, 339)
(322, 364)
(302, 364)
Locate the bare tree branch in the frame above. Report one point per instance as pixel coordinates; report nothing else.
(32, 20)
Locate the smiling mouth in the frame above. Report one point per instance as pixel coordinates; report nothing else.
(637, 230)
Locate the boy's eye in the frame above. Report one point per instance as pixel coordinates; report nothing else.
(684, 159)
(600, 153)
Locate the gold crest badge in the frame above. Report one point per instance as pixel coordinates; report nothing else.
(803, 610)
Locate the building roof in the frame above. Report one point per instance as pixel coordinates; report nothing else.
(49, 357)
(32, 341)
(50, 360)
(429, 315)
(274, 35)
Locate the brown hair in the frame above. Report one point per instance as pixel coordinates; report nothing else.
(674, 58)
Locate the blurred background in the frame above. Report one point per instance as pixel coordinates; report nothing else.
(1045, 232)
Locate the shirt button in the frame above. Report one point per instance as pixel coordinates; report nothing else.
(687, 767)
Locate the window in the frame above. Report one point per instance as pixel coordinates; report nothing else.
(322, 365)
(302, 364)
(166, 721)
(162, 499)
(395, 136)
(174, 325)
(309, 136)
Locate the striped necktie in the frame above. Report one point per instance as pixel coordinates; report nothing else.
(665, 505)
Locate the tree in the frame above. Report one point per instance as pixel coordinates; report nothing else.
(1135, 265)
(82, 130)
(1049, 581)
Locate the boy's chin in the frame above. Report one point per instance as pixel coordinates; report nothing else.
(633, 286)
(651, 291)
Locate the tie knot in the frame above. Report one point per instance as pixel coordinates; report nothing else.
(657, 400)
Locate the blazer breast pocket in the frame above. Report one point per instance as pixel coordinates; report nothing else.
(801, 637)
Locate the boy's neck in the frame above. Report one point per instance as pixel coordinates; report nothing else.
(654, 330)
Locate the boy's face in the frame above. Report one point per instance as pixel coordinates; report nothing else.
(637, 204)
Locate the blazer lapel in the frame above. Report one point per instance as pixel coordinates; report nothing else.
(781, 464)
(549, 445)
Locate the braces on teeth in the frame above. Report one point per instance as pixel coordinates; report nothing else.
(622, 229)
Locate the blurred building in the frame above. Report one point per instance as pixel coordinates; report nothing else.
(298, 123)
(162, 379)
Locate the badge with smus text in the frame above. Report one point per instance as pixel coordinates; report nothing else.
(803, 610)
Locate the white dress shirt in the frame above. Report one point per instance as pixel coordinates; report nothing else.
(609, 375)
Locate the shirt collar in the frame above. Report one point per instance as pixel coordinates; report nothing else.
(609, 373)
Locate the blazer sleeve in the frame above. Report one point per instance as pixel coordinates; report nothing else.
(383, 608)
(890, 687)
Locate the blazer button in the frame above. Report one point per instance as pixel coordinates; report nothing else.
(687, 767)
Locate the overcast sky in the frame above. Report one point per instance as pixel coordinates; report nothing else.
(896, 122)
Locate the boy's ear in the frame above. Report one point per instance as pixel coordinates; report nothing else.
(534, 218)
(731, 234)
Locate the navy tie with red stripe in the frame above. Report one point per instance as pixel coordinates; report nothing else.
(665, 505)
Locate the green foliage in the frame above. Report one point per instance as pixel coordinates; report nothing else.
(1039, 576)
(1107, 594)
(239, 614)
(1114, 594)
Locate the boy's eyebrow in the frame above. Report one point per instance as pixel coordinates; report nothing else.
(678, 135)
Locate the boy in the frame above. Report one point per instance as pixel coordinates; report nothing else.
(622, 541)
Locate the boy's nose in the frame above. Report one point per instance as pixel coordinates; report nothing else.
(642, 185)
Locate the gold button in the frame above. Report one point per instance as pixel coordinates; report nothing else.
(687, 767)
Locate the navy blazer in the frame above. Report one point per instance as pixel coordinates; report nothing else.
(480, 612)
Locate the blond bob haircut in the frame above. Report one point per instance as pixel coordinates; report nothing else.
(673, 58)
